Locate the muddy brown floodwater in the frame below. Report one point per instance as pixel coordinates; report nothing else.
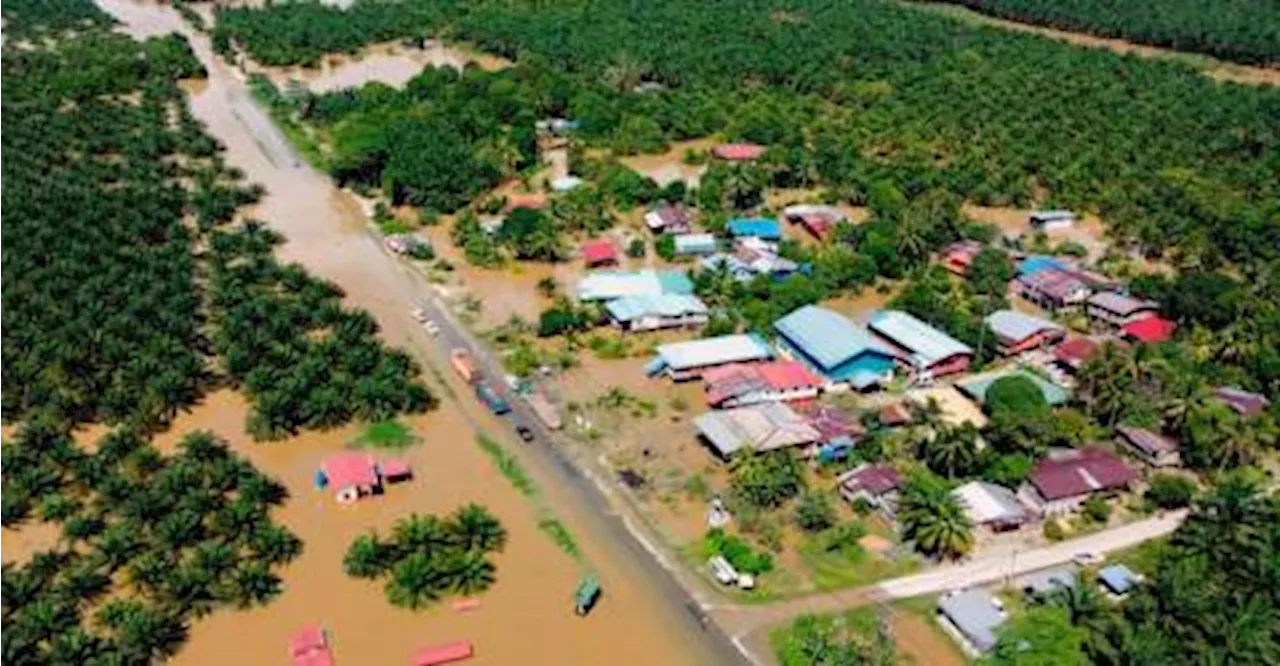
(392, 64)
(527, 616)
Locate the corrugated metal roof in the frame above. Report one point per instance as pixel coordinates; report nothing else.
(714, 351)
(978, 385)
(762, 427)
(827, 337)
(1119, 303)
(1038, 262)
(1118, 578)
(695, 243)
(975, 614)
(987, 503)
(1016, 326)
(604, 285)
(927, 344)
(760, 227)
(629, 308)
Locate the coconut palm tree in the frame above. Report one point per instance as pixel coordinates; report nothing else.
(933, 518)
(475, 529)
(950, 451)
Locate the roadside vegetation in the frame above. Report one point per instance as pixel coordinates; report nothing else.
(427, 558)
(1246, 31)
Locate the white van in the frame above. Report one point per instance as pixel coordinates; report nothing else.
(722, 570)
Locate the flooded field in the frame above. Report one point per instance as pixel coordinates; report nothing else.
(1089, 230)
(526, 617)
(393, 64)
(668, 167)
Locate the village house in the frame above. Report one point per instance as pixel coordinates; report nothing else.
(738, 152)
(976, 387)
(599, 252)
(754, 227)
(958, 256)
(764, 427)
(695, 244)
(1016, 332)
(1117, 580)
(876, 485)
(841, 351)
(1052, 289)
(741, 384)
(689, 359)
(1114, 310)
(530, 200)
(608, 285)
(752, 256)
(668, 218)
(972, 617)
(1152, 448)
(1060, 483)
(838, 430)
(1151, 329)
(1074, 353)
(990, 506)
(1245, 403)
(350, 475)
(1051, 220)
(651, 313)
(928, 351)
(817, 220)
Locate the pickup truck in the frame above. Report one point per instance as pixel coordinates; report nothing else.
(492, 399)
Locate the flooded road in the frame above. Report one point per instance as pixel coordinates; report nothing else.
(526, 617)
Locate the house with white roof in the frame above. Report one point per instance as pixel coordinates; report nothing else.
(689, 359)
(991, 506)
(763, 427)
(927, 350)
(1016, 332)
(653, 312)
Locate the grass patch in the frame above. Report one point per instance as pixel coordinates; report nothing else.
(849, 567)
(559, 534)
(388, 434)
(508, 466)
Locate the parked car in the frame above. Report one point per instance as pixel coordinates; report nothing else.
(525, 433)
(432, 327)
(419, 314)
(722, 570)
(1087, 559)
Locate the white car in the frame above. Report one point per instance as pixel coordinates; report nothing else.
(419, 314)
(722, 570)
(746, 581)
(432, 327)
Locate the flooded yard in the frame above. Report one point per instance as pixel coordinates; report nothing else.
(393, 64)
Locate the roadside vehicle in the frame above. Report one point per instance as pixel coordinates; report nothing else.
(525, 433)
(463, 364)
(492, 399)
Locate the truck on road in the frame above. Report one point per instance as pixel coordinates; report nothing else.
(464, 365)
(492, 399)
(544, 410)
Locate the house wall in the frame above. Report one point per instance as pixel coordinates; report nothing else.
(1034, 342)
(950, 365)
(1050, 508)
(655, 323)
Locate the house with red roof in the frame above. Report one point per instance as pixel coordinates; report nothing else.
(818, 220)
(668, 218)
(1151, 447)
(739, 384)
(1074, 353)
(1062, 482)
(958, 256)
(531, 200)
(599, 252)
(1150, 330)
(444, 653)
(738, 152)
(875, 484)
(350, 474)
(310, 647)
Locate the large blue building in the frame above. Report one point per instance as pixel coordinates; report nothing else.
(834, 346)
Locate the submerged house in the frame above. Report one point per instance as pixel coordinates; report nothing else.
(818, 220)
(650, 313)
(958, 256)
(1115, 310)
(738, 152)
(1053, 289)
(692, 244)
(741, 384)
(350, 475)
(608, 285)
(691, 358)
(668, 218)
(764, 427)
(1151, 447)
(926, 349)
(755, 227)
(1016, 332)
(1049, 220)
(834, 346)
(599, 252)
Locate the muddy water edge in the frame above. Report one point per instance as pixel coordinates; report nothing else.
(527, 616)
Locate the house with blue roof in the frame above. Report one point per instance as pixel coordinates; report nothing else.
(929, 351)
(763, 228)
(973, 617)
(834, 346)
(1038, 263)
(1118, 579)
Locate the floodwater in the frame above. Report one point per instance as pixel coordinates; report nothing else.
(526, 617)
(666, 168)
(393, 64)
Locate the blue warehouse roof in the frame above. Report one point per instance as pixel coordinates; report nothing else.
(760, 227)
(837, 347)
(629, 308)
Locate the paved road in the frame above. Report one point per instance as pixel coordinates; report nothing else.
(979, 571)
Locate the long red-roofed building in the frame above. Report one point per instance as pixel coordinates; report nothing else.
(738, 152)
(599, 252)
(740, 384)
(310, 647)
(1061, 483)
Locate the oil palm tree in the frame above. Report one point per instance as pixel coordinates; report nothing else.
(950, 451)
(416, 582)
(475, 529)
(366, 557)
(420, 534)
(468, 572)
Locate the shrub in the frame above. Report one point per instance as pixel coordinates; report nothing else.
(814, 514)
(665, 246)
(1053, 531)
(1168, 491)
(1097, 509)
(737, 552)
(843, 538)
(636, 248)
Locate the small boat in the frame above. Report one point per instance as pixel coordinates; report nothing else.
(587, 594)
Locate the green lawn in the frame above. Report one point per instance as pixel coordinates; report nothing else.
(850, 568)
